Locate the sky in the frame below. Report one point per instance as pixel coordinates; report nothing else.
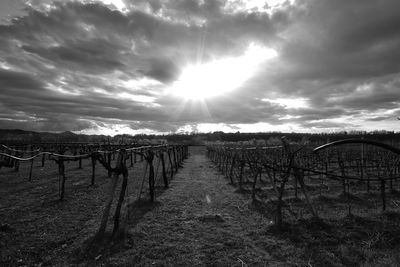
(166, 66)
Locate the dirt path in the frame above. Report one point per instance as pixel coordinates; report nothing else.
(200, 221)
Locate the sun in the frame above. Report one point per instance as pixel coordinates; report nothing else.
(218, 77)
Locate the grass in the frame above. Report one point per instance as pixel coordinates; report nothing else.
(201, 220)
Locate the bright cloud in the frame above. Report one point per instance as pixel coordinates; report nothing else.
(220, 76)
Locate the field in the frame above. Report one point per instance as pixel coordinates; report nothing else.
(39, 228)
(204, 218)
(341, 204)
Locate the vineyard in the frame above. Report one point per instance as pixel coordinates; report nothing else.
(295, 178)
(233, 204)
(338, 202)
(60, 195)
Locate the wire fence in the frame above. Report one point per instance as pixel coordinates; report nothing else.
(142, 169)
(351, 163)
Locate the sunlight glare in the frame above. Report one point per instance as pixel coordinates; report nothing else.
(220, 76)
(260, 6)
(119, 4)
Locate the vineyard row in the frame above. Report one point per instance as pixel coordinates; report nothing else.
(351, 163)
(161, 160)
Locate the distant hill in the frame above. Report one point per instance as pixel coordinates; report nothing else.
(21, 136)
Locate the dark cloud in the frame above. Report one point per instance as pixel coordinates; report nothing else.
(14, 80)
(344, 39)
(94, 56)
(164, 70)
(380, 118)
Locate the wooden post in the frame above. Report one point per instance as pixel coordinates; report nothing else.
(30, 171)
(176, 163)
(109, 163)
(150, 158)
(164, 174)
(253, 196)
(131, 158)
(383, 194)
(93, 168)
(341, 166)
(43, 159)
(170, 162)
(80, 160)
(61, 169)
(295, 188)
(227, 157)
(242, 163)
(16, 166)
(232, 166)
